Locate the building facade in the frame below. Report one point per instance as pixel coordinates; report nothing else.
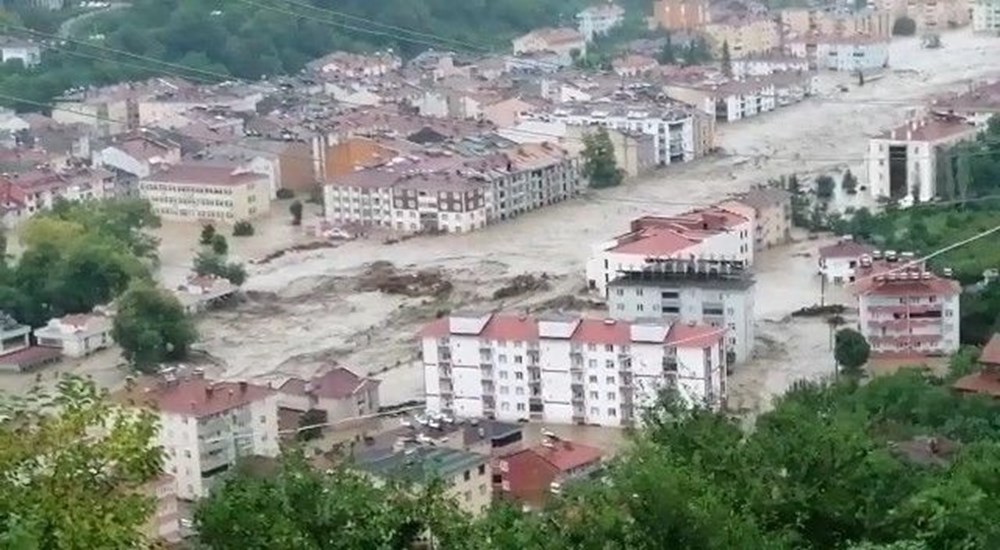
(529, 477)
(599, 20)
(986, 16)
(194, 192)
(838, 263)
(339, 393)
(76, 335)
(681, 15)
(716, 294)
(771, 211)
(849, 54)
(750, 36)
(567, 370)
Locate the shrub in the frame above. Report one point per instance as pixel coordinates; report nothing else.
(243, 228)
(286, 193)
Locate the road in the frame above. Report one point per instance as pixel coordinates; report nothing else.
(66, 28)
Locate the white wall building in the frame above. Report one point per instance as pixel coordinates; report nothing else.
(763, 66)
(205, 426)
(27, 52)
(986, 16)
(340, 393)
(567, 370)
(599, 20)
(839, 53)
(902, 163)
(838, 263)
(76, 335)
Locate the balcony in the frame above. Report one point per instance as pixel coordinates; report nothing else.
(670, 365)
(577, 398)
(486, 372)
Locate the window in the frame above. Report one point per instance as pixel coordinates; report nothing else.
(593, 411)
(466, 475)
(593, 379)
(263, 419)
(638, 292)
(519, 390)
(520, 407)
(482, 487)
(620, 291)
(594, 395)
(504, 390)
(468, 495)
(502, 358)
(519, 375)
(503, 375)
(504, 406)
(612, 396)
(639, 307)
(610, 380)
(592, 363)
(482, 469)
(518, 359)
(591, 347)
(609, 348)
(609, 364)
(612, 412)
(187, 454)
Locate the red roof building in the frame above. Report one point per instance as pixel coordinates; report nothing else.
(986, 381)
(339, 392)
(530, 476)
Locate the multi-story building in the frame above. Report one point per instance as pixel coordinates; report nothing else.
(164, 524)
(352, 65)
(529, 477)
(135, 156)
(206, 426)
(838, 263)
(838, 53)
(339, 393)
(681, 15)
(977, 106)
(710, 233)
(599, 20)
(763, 65)
(76, 335)
(567, 370)
(466, 477)
(730, 100)
(938, 15)
(712, 293)
(194, 192)
(906, 309)
(864, 22)
(672, 128)
(986, 16)
(565, 43)
(745, 36)
(771, 211)
(902, 163)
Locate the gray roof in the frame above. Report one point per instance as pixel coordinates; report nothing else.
(669, 280)
(765, 197)
(422, 464)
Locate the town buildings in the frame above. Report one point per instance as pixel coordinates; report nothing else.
(201, 292)
(352, 65)
(977, 105)
(215, 193)
(986, 16)
(134, 156)
(599, 20)
(76, 335)
(27, 52)
(873, 23)
(633, 65)
(339, 393)
(745, 36)
(567, 370)
(710, 233)
(165, 523)
(205, 426)
(718, 294)
(987, 380)
(566, 44)
(840, 53)
(763, 65)
(905, 309)
(530, 476)
(771, 211)
(902, 163)
(681, 15)
(839, 262)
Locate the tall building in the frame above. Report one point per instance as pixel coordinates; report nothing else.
(195, 192)
(567, 370)
(599, 20)
(713, 293)
(986, 16)
(681, 15)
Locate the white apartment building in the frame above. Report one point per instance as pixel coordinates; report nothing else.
(902, 163)
(839, 263)
(563, 42)
(672, 128)
(710, 234)
(567, 370)
(76, 335)
(715, 294)
(986, 16)
(599, 20)
(216, 193)
(205, 426)
(842, 53)
(907, 310)
(766, 65)
(727, 101)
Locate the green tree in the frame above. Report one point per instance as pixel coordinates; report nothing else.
(862, 224)
(207, 235)
(151, 327)
(296, 211)
(309, 425)
(851, 350)
(667, 55)
(74, 466)
(243, 228)
(600, 165)
(210, 263)
(825, 186)
(727, 62)
(904, 26)
(219, 244)
(850, 183)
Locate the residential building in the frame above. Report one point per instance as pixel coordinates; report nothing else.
(200, 292)
(838, 263)
(599, 20)
(566, 370)
(466, 477)
(76, 335)
(635, 152)
(902, 163)
(352, 65)
(836, 53)
(16, 352)
(977, 106)
(164, 525)
(987, 380)
(27, 52)
(763, 65)
(865, 22)
(633, 65)
(710, 233)
(133, 157)
(205, 426)
(339, 393)
(14, 336)
(706, 292)
(681, 15)
(351, 154)
(905, 309)
(39, 188)
(727, 101)
(745, 36)
(507, 112)
(986, 16)
(771, 211)
(530, 476)
(195, 192)
(938, 15)
(566, 43)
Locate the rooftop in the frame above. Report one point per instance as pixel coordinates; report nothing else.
(423, 464)
(684, 273)
(845, 249)
(991, 352)
(190, 395)
(885, 278)
(337, 383)
(764, 197)
(205, 174)
(929, 129)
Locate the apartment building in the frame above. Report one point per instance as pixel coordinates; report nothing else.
(902, 163)
(745, 36)
(771, 212)
(767, 64)
(938, 15)
(727, 101)
(566, 370)
(599, 20)
(718, 294)
(865, 22)
(135, 156)
(986, 16)
(635, 152)
(904, 309)
(466, 477)
(838, 263)
(39, 188)
(710, 233)
(838, 53)
(565, 43)
(673, 127)
(164, 525)
(205, 192)
(528, 478)
(76, 335)
(205, 426)
(352, 65)
(339, 393)
(681, 15)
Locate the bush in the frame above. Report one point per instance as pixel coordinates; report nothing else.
(207, 234)
(286, 193)
(904, 26)
(243, 228)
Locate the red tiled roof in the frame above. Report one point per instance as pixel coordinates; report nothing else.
(932, 129)
(192, 396)
(334, 384)
(598, 331)
(528, 477)
(991, 353)
(845, 249)
(566, 456)
(655, 242)
(437, 328)
(982, 382)
(511, 328)
(696, 336)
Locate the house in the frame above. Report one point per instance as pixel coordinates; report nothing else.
(709, 233)
(76, 335)
(566, 43)
(771, 211)
(353, 65)
(205, 426)
(194, 192)
(681, 15)
(904, 309)
(352, 154)
(507, 112)
(902, 163)
(633, 65)
(530, 476)
(599, 20)
(566, 370)
(842, 53)
(839, 262)
(987, 380)
(133, 157)
(27, 52)
(466, 477)
(745, 36)
(201, 292)
(339, 392)
(727, 101)
(635, 152)
(986, 16)
(711, 293)
(16, 352)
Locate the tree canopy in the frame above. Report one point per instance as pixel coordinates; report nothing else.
(151, 327)
(600, 164)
